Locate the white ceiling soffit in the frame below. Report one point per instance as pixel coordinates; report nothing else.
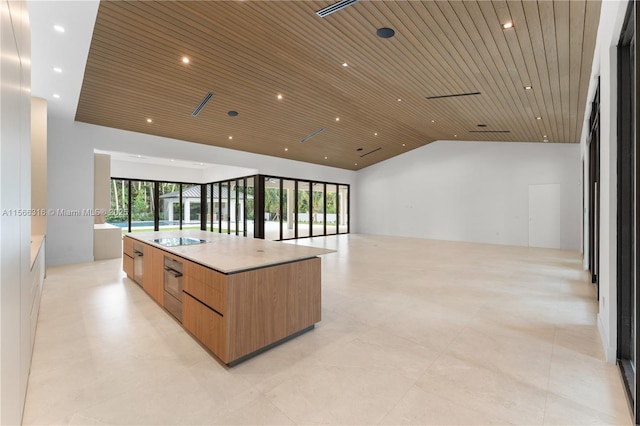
(66, 50)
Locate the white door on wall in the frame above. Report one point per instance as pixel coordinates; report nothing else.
(544, 215)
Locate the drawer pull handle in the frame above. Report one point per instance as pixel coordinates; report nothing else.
(138, 253)
(173, 272)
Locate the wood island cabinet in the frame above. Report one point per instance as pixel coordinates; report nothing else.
(127, 257)
(237, 314)
(153, 279)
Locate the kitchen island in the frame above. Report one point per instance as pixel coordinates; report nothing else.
(237, 296)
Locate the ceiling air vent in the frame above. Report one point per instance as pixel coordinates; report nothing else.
(370, 152)
(202, 104)
(317, 132)
(489, 131)
(335, 7)
(453, 95)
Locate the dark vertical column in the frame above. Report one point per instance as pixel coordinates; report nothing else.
(280, 200)
(129, 204)
(203, 207)
(180, 208)
(244, 207)
(210, 186)
(636, 140)
(259, 207)
(338, 209)
(295, 208)
(324, 208)
(156, 204)
(310, 208)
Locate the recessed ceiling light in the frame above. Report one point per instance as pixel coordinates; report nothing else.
(185, 60)
(355, 164)
(55, 95)
(58, 28)
(337, 118)
(385, 32)
(149, 120)
(399, 100)
(375, 134)
(172, 160)
(404, 145)
(57, 69)
(230, 137)
(279, 97)
(455, 136)
(326, 158)
(344, 64)
(139, 156)
(528, 87)
(544, 136)
(507, 25)
(286, 149)
(202, 164)
(538, 118)
(433, 121)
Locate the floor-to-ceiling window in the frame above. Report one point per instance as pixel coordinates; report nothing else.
(593, 144)
(272, 208)
(318, 209)
(142, 206)
(168, 205)
(303, 211)
(249, 206)
(119, 213)
(259, 206)
(343, 209)
(139, 205)
(331, 217)
(628, 220)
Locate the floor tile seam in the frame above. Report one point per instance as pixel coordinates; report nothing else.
(400, 399)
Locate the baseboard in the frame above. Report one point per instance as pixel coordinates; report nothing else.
(609, 352)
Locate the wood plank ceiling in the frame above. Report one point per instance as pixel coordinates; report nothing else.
(248, 52)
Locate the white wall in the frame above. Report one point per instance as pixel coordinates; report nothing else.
(605, 67)
(15, 200)
(468, 191)
(70, 175)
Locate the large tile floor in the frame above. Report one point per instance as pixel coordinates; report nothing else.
(413, 332)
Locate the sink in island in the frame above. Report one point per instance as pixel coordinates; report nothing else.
(237, 296)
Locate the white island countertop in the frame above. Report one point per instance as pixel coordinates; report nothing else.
(230, 253)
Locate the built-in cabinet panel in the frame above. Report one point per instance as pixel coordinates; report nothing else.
(17, 286)
(206, 325)
(127, 265)
(269, 305)
(127, 246)
(206, 285)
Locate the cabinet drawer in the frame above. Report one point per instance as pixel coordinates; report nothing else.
(206, 325)
(127, 265)
(206, 285)
(127, 246)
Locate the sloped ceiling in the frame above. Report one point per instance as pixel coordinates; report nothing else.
(377, 106)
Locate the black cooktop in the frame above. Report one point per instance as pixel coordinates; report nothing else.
(178, 241)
